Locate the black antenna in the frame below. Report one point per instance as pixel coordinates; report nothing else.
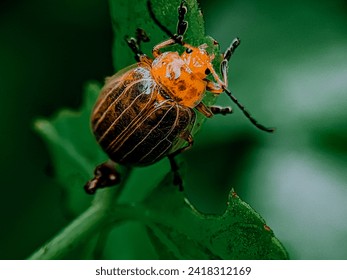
(247, 114)
(177, 38)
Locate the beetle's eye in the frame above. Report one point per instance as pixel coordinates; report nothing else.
(189, 50)
(207, 71)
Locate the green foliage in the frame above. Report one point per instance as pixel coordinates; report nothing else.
(179, 231)
(73, 149)
(175, 229)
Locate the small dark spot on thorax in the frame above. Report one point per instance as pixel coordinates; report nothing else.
(182, 85)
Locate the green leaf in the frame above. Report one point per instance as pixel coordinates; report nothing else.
(73, 148)
(179, 231)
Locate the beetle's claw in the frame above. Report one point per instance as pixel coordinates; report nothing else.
(91, 186)
(105, 175)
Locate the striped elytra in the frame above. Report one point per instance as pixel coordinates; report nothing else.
(134, 121)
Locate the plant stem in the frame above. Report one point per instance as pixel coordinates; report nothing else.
(73, 235)
(86, 225)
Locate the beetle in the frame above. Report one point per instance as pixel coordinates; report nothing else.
(146, 109)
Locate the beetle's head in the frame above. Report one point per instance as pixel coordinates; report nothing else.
(198, 60)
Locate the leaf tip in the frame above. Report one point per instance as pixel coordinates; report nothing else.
(41, 125)
(233, 193)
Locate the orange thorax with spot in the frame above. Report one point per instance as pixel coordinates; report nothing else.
(178, 80)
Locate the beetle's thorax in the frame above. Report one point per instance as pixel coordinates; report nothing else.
(178, 80)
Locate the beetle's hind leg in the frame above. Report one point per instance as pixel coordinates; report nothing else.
(105, 175)
(177, 179)
(135, 43)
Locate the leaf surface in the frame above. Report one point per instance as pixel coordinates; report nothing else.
(73, 149)
(179, 231)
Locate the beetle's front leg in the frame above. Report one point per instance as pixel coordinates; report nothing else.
(216, 88)
(226, 57)
(218, 110)
(156, 50)
(209, 111)
(182, 26)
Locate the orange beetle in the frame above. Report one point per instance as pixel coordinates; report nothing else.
(144, 110)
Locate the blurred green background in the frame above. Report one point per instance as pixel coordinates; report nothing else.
(290, 71)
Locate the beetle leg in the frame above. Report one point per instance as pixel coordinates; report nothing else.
(134, 44)
(215, 87)
(226, 57)
(203, 109)
(141, 36)
(105, 175)
(189, 138)
(177, 179)
(221, 110)
(156, 49)
(182, 25)
(221, 84)
(212, 110)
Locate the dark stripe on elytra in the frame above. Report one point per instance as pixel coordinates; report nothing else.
(158, 142)
(110, 94)
(113, 92)
(151, 138)
(184, 118)
(130, 123)
(138, 132)
(125, 112)
(102, 113)
(163, 145)
(138, 146)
